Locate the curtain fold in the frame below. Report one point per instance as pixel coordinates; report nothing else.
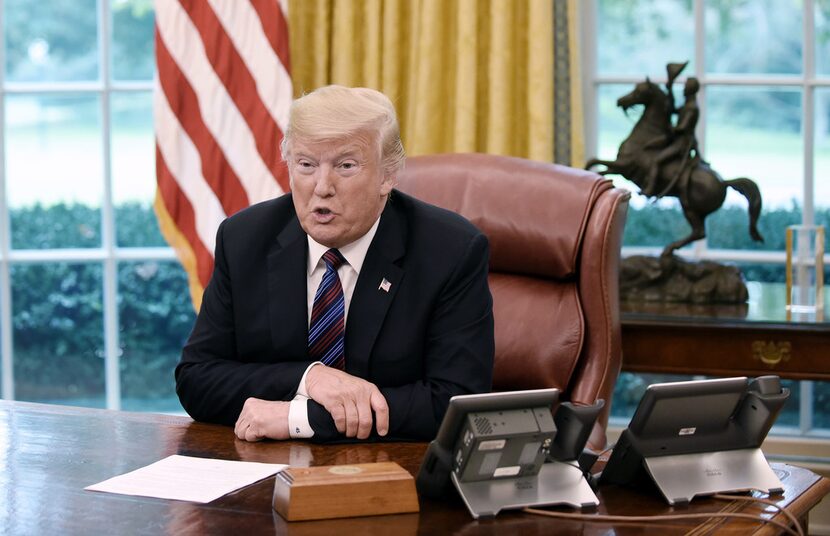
(465, 75)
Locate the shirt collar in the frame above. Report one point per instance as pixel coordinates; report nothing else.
(354, 253)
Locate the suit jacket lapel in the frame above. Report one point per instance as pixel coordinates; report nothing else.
(370, 300)
(288, 301)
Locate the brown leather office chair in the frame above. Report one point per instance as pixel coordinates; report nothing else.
(555, 235)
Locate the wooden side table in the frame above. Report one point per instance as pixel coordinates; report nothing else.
(750, 339)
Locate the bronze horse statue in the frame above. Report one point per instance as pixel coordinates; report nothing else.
(700, 189)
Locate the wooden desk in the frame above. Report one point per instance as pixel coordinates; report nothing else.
(750, 339)
(48, 454)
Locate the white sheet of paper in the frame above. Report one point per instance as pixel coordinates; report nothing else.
(186, 478)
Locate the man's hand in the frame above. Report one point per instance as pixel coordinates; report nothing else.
(262, 418)
(350, 401)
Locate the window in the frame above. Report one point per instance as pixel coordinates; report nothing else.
(94, 308)
(764, 69)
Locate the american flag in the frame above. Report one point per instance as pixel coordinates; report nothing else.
(221, 105)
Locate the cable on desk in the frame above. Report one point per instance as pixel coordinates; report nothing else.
(790, 515)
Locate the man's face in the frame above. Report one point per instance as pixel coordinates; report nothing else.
(339, 188)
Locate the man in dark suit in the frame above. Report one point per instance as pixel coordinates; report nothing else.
(344, 309)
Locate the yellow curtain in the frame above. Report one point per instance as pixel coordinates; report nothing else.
(465, 75)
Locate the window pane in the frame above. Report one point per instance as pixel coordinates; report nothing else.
(133, 170)
(58, 333)
(54, 163)
(51, 40)
(655, 225)
(60, 225)
(132, 39)
(156, 317)
(789, 413)
(758, 37)
(821, 186)
(774, 305)
(727, 228)
(821, 406)
(614, 124)
(822, 32)
(629, 33)
(2, 334)
(755, 132)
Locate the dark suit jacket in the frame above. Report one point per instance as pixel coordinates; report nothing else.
(428, 338)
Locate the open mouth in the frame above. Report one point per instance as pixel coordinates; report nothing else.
(323, 215)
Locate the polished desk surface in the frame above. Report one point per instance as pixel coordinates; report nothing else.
(48, 454)
(766, 305)
(755, 338)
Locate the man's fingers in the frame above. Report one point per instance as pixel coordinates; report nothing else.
(364, 416)
(239, 430)
(245, 430)
(352, 419)
(240, 426)
(251, 434)
(381, 410)
(339, 416)
(349, 400)
(262, 418)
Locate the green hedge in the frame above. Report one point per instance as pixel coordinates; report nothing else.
(57, 310)
(727, 228)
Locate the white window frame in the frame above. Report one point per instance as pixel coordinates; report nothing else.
(109, 254)
(807, 82)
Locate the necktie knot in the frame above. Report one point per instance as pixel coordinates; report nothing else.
(333, 259)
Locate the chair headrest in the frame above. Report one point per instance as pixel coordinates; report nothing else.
(533, 213)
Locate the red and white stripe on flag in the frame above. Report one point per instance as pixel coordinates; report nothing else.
(220, 107)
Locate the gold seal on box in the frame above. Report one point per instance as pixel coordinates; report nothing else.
(330, 491)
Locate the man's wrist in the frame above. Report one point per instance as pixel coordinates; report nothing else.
(298, 425)
(301, 388)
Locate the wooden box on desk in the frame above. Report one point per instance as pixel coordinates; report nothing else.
(303, 493)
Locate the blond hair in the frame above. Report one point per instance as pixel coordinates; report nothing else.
(339, 112)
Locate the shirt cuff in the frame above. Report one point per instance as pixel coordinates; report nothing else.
(298, 426)
(301, 390)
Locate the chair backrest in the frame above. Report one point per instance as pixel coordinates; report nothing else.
(555, 235)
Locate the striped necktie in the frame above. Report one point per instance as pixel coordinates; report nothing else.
(327, 327)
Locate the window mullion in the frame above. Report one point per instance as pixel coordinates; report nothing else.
(590, 76)
(805, 406)
(808, 110)
(700, 247)
(700, 70)
(111, 342)
(6, 363)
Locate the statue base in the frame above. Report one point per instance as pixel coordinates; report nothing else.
(672, 279)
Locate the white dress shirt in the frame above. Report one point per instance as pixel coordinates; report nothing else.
(355, 254)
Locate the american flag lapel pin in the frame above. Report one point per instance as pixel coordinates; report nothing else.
(385, 285)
